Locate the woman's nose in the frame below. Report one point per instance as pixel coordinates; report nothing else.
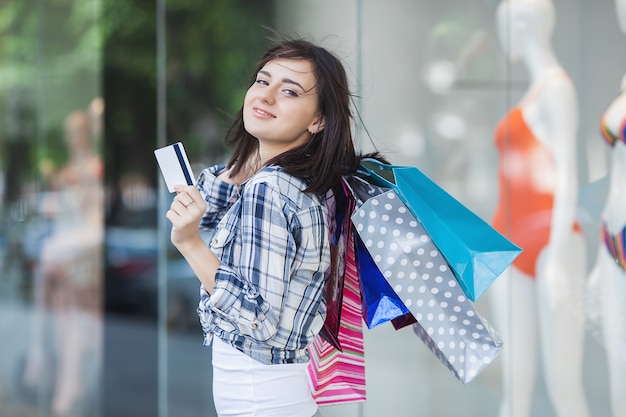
(267, 95)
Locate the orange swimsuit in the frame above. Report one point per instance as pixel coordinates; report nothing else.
(524, 212)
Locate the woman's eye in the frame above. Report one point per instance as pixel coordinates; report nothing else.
(261, 82)
(290, 92)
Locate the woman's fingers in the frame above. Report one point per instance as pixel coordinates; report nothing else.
(188, 195)
(186, 209)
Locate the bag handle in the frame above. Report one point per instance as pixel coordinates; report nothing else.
(378, 173)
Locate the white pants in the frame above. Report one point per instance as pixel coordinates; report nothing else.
(244, 387)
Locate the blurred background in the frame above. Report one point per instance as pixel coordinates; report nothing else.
(97, 309)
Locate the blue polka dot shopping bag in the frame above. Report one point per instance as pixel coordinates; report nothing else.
(475, 251)
(443, 317)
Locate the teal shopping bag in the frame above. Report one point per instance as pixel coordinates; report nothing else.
(475, 251)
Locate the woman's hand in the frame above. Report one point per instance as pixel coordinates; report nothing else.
(185, 214)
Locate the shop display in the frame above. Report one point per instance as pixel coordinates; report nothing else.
(536, 142)
(609, 272)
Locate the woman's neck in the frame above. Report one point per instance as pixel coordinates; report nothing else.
(267, 152)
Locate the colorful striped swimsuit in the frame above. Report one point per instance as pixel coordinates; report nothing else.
(614, 242)
(616, 245)
(609, 136)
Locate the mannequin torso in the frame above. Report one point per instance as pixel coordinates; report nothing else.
(614, 213)
(609, 272)
(528, 142)
(537, 210)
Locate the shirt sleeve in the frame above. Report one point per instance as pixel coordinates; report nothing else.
(251, 297)
(219, 196)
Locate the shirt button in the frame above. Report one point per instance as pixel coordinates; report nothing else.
(255, 326)
(215, 242)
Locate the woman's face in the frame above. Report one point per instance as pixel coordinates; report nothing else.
(281, 107)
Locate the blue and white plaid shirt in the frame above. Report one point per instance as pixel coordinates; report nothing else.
(273, 243)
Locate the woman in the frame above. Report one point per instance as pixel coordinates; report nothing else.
(263, 273)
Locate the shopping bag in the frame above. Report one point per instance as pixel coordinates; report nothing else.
(415, 268)
(476, 252)
(342, 205)
(362, 190)
(339, 376)
(379, 302)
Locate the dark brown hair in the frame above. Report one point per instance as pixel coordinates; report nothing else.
(329, 153)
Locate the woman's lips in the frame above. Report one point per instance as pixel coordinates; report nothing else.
(263, 113)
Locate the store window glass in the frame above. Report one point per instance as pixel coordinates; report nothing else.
(434, 81)
(51, 208)
(434, 85)
(98, 309)
(173, 71)
(211, 49)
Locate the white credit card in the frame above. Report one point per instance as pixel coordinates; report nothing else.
(174, 166)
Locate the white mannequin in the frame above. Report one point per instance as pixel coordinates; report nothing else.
(536, 311)
(611, 277)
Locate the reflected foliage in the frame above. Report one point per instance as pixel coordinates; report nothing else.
(211, 51)
(50, 52)
(210, 47)
(56, 48)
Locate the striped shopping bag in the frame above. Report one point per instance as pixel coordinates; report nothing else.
(338, 377)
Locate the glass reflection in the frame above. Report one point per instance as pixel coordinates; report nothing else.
(51, 208)
(67, 274)
(210, 46)
(433, 85)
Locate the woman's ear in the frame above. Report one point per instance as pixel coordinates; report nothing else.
(317, 125)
